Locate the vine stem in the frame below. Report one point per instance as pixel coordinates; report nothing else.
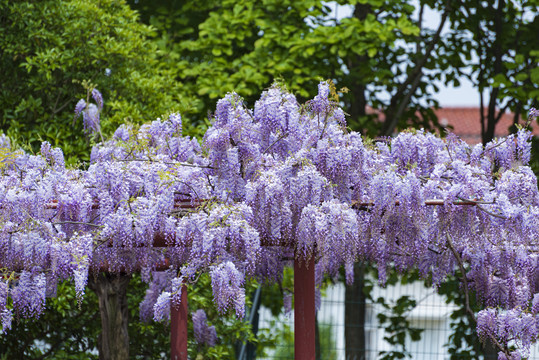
(467, 293)
(464, 279)
(169, 163)
(77, 223)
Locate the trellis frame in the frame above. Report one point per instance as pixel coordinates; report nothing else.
(304, 291)
(304, 300)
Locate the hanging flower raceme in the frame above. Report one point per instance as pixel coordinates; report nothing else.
(227, 282)
(204, 333)
(90, 112)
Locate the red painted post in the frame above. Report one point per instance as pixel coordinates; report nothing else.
(304, 310)
(178, 328)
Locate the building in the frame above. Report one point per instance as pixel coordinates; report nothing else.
(466, 123)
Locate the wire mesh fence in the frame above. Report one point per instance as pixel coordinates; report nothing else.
(431, 314)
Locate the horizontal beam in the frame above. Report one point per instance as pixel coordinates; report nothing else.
(184, 204)
(193, 204)
(431, 202)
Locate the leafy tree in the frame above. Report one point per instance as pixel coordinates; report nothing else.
(48, 48)
(244, 47)
(381, 52)
(494, 45)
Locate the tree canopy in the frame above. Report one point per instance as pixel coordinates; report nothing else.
(382, 51)
(244, 47)
(496, 48)
(50, 48)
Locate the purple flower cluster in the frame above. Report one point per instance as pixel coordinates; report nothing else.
(276, 182)
(227, 282)
(204, 334)
(90, 112)
(29, 294)
(160, 282)
(5, 313)
(533, 114)
(4, 142)
(161, 308)
(7, 318)
(515, 326)
(331, 229)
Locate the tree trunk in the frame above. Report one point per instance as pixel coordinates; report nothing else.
(111, 290)
(354, 314)
(490, 352)
(358, 66)
(498, 54)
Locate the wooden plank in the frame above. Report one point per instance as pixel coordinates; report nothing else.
(178, 328)
(304, 310)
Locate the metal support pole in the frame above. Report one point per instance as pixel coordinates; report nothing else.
(304, 310)
(178, 328)
(247, 349)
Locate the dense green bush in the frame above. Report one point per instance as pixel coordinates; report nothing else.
(49, 48)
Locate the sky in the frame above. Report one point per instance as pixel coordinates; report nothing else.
(465, 95)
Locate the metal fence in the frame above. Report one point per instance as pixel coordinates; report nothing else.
(431, 314)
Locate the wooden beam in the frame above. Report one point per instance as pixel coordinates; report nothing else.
(178, 328)
(304, 310)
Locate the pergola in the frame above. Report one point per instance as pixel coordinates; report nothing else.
(256, 181)
(304, 304)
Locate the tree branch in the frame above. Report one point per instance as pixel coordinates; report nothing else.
(397, 100)
(169, 163)
(77, 223)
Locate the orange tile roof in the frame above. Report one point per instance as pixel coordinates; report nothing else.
(466, 123)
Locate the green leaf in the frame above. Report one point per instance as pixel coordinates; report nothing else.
(521, 76)
(372, 52)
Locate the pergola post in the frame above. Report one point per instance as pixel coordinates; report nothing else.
(178, 328)
(304, 310)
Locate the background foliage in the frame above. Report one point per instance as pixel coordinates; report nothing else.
(49, 47)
